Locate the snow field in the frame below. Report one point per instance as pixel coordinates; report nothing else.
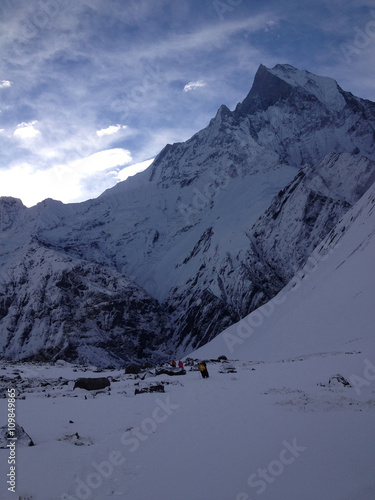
(270, 430)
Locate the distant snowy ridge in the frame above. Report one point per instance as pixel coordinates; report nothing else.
(216, 226)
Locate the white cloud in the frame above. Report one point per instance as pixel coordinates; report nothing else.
(133, 169)
(26, 130)
(112, 129)
(72, 182)
(4, 83)
(98, 162)
(194, 85)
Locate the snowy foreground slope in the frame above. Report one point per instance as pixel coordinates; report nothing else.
(274, 422)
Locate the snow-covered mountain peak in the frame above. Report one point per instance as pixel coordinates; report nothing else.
(9, 205)
(325, 89)
(10, 209)
(271, 86)
(266, 91)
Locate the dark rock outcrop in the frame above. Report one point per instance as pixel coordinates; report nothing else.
(92, 384)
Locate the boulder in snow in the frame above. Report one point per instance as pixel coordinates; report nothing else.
(151, 388)
(76, 439)
(23, 439)
(132, 369)
(92, 384)
(170, 371)
(338, 380)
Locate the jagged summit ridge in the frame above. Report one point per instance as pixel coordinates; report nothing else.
(289, 117)
(266, 91)
(325, 89)
(282, 81)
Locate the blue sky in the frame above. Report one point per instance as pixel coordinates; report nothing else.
(91, 88)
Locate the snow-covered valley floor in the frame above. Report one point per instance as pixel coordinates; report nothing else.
(269, 430)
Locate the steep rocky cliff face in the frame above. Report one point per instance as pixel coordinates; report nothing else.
(54, 306)
(214, 228)
(282, 238)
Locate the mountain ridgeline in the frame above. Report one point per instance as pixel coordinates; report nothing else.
(214, 228)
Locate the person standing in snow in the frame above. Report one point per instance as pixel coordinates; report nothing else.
(181, 365)
(203, 369)
(173, 364)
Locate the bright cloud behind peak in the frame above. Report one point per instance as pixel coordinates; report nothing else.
(92, 78)
(68, 182)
